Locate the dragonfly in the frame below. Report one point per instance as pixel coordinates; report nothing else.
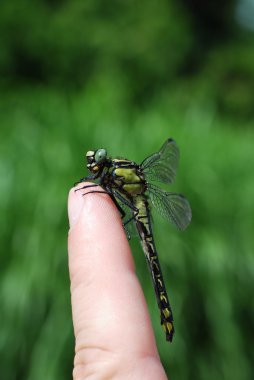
(132, 189)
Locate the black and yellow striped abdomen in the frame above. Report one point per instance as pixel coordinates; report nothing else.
(143, 223)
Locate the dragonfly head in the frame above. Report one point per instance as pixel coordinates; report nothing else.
(96, 159)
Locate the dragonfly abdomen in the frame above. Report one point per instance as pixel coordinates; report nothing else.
(143, 223)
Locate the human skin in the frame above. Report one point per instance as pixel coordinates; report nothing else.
(113, 333)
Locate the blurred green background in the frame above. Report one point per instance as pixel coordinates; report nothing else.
(126, 75)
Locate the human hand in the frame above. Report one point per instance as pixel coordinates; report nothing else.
(113, 332)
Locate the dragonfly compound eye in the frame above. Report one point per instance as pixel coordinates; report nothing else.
(100, 156)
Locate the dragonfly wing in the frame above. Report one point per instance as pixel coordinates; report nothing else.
(162, 166)
(173, 207)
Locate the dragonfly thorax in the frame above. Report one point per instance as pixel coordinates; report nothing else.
(126, 177)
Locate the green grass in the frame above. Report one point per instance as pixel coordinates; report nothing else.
(208, 269)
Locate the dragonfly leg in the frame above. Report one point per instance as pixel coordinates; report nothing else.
(94, 192)
(127, 203)
(109, 192)
(130, 220)
(119, 208)
(85, 187)
(133, 217)
(88, 178)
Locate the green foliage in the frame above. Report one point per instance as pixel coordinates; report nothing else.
(67, 42)
(79, 75)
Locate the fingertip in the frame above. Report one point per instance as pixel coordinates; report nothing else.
(75, 206)
(95, 221)
(90, 199)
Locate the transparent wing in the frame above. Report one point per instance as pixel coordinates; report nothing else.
(162, 166)
(171, 206)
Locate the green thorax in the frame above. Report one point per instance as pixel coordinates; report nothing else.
(127, 177)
